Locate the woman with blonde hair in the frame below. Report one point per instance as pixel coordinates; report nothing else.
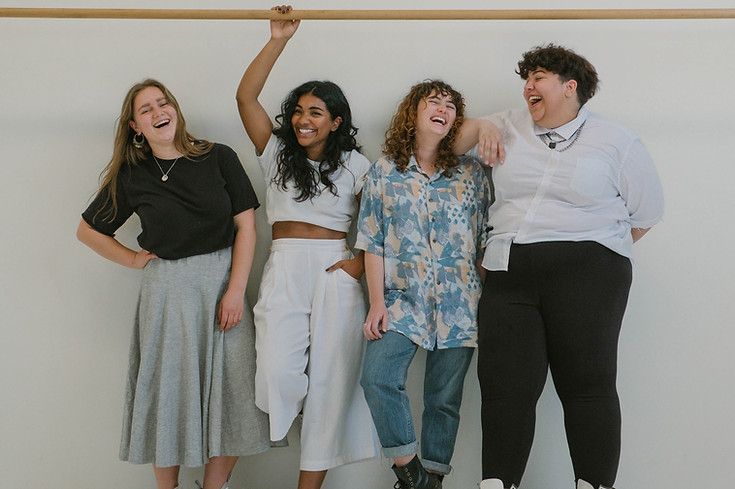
(190, 385)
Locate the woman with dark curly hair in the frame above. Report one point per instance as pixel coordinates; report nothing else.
(190, 388)
(311, 304)
(421, 226)
(577, 192)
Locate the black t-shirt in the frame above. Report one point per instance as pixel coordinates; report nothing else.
(190, 213)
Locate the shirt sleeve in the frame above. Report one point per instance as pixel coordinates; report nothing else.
(640, 187)
(370, 235)
(268, 160)
(360, 167)
(237, 183)
(100, 214)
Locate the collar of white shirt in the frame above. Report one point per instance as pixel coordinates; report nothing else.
(567, 130)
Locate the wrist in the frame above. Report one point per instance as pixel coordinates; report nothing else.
(279, 42)
(131, 259)
(236, 289)
(377, 303)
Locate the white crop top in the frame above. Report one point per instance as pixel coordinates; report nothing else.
(326, 209)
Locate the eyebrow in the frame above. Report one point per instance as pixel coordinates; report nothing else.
(437, 97)
(158, 100)
(312, 107)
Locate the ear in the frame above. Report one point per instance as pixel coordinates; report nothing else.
(336, 123)
(134, 126)
(570, 88)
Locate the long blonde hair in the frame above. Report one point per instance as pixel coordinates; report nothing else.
(400, 138)
(125, 153)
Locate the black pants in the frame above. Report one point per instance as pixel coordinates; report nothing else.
(559, 305)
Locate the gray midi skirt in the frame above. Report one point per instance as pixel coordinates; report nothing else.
(190, 389)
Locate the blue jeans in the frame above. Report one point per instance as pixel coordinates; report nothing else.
(384, 381)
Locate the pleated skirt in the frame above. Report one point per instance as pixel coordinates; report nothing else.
(190, 389)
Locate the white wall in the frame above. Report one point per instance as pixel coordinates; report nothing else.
(66, 314)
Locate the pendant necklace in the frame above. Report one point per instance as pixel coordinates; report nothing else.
(164, 176)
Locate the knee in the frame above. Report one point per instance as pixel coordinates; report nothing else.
(375, 380)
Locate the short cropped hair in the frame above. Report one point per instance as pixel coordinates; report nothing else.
(565, 63)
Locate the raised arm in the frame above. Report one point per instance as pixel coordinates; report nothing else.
(483, 132)
(255, 119)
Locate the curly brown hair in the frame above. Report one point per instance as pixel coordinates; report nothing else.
(565, 63)
(400, 138)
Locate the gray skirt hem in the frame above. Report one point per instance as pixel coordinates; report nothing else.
(191, 463)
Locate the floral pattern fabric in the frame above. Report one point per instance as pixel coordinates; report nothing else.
(430, 231)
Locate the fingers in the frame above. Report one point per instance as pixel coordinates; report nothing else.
(282, 9)
(228, 320)
(374, 327)
(492, 153)
(227, 317)
(336, 265)
(371, 330)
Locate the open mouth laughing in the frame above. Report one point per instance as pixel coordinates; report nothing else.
(161, 123)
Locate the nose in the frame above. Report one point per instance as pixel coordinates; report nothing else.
(298, 118)
(528, 86)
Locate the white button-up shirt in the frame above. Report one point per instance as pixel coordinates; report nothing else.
(595, 186)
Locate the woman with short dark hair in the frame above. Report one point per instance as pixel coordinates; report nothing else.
(576, 192)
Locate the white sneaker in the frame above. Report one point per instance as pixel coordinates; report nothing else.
(582, 484)
(494, 484)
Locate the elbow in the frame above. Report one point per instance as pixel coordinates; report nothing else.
(80, 232)
(83, 232)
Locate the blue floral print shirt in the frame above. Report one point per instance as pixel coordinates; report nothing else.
(430, 231)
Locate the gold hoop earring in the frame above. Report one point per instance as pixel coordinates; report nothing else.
(138, 143)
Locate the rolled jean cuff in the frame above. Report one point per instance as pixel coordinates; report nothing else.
(436, 467)
(401, 451)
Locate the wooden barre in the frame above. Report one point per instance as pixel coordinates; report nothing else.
(205, 14)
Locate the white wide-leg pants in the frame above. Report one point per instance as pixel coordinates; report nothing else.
(310, 346)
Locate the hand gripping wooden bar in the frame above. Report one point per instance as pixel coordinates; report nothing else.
(204, 14)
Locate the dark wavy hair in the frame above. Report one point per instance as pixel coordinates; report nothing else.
(293, 165)
(565, 63)
(400, 138)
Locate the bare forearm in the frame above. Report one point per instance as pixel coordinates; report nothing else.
(467, 136)
(105, 246)
(375, 276)
(243, 251)
(256, 74)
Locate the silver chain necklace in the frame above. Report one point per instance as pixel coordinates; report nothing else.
(164, 176)
(572, 139)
